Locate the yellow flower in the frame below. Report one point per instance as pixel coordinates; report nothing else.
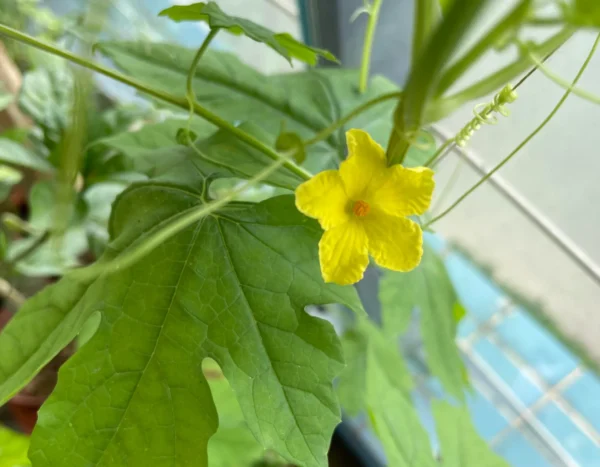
(363, 208)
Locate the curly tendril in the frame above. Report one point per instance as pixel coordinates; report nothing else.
(485, 114)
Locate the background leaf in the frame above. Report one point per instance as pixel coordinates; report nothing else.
(58, 253)
(284, 44)
(364, 346)
(233, 445)
(135, 144)
(428, 288)
(16, 154)
(460, 444)
(305, 102)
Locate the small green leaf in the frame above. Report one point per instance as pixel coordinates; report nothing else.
(284, 44)
(460, 444)
(428, 288)
(13, 449)
(291, 142)
(14, 153)
(366, 346)
(185, 136)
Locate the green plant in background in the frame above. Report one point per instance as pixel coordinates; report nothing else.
(195, 344)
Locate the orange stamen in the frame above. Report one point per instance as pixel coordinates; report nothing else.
(361, 208)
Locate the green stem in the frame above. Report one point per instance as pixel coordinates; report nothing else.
(177, 101)
(197, 57)
(549, 21)
(323, 134)
(484, 44)
(449, 185)
(525, 141)
(562, 82)
(439, 152)
(369, 35)
(427, 14)
(425, 73)
(443, 107)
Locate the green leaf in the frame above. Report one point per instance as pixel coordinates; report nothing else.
(16, 154)
(429, 289)
(283, 44)
(460, 444)
(233, 445)
(395, 420)
(366, 346)
(305, 102)
(135, 144)
(219, 155)
(47, 96)
(233, 288)
(58, 253)
(291, 142)
(13, 449)
(377, 382)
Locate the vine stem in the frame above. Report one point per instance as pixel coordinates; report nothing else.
(525, 141)
(437, 153)
(323, 134)
(561, 82)
(368, 45)
(164, 96)
(190, 78)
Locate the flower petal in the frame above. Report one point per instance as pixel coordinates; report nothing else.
(405, 192)
(343, 252)
(365, 163)
(394, 242)
(323, 198)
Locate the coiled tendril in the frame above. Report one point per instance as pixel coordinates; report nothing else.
(487, 114)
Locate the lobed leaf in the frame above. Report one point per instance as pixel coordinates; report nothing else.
(428, 288)
(231, 288)
(460, 444)
(283, 43)
(366, 346)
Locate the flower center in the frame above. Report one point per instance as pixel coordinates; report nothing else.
(361, 208)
